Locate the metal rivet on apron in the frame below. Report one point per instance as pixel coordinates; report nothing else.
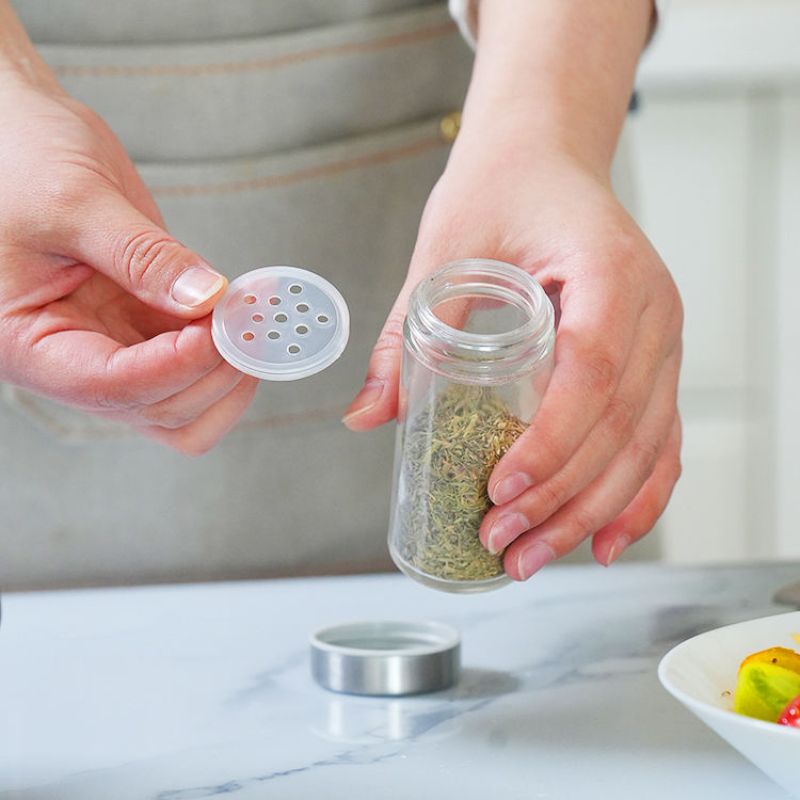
(450, 125)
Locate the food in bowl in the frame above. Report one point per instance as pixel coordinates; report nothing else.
(791, 714)
(701, 673)
(768, 686)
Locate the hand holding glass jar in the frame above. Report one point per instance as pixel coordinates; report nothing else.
(602, 453)
(529, 185)
(477, 357)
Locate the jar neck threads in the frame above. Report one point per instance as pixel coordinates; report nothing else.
(480, 321)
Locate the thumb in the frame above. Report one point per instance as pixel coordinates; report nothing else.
(380, 399)
(376, 403)
(144, 259)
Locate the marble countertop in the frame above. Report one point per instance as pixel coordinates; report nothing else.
(203, 691)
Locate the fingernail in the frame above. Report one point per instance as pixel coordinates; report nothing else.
(504, 531)
(532, 559)
(196, 285)
(366, 399)
(617, 548)
(510, 487)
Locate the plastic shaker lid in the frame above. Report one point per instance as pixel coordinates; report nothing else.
(281, 323)
(386, 657)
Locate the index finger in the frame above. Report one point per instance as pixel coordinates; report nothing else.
(95, 372)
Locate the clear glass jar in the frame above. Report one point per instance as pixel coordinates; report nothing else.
(478, 356)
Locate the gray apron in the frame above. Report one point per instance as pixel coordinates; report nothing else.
(270, 132)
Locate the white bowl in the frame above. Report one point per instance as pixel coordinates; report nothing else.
(701, 673)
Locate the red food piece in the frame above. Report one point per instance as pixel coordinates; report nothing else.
(791, 714)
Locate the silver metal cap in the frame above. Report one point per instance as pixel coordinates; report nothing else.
(386, 657)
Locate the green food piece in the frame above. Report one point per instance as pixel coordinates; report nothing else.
(449, 452)
(764, 689)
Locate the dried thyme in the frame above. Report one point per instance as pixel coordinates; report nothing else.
(449, 452)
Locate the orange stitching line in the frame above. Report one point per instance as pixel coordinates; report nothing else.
(324, 170)
(115, 71)
(92, 429)
(317, 415)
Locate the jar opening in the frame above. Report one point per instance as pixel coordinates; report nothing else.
(481, 309)
(481, 318)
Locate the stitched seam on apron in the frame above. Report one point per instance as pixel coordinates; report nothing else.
(90, 429)
(292, 418)
(254, 64)
(321, 171)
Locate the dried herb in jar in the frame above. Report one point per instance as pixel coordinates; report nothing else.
(450, 450)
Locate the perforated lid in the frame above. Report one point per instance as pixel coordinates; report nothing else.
(281, 323)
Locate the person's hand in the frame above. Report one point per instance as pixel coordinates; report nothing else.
(99, 307)
(602, 454)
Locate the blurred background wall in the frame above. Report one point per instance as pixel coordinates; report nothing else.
(718, 156)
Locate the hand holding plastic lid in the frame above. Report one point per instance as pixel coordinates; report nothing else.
(281, 324)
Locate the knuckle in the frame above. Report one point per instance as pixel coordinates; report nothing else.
(90, 117)
(391, 338)
(601, 373)
(649, 512)
(676, 303)
(549, 497)
(621, 417)
(546, 454)
(139, 254)
(627, 250)
(64, 191)
(115, 397)
(66, 197)
(583, 521)
(166, 417)
(675, 469)
(672, 304)
(107, 392)
(394, 325)
(106, 397)
(644, 523)
(644, 454)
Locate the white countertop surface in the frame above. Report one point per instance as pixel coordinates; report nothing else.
(203, 691)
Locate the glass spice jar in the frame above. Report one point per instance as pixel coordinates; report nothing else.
(477, 358)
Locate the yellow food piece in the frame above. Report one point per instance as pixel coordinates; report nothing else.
(782, 656)
(767, 682)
